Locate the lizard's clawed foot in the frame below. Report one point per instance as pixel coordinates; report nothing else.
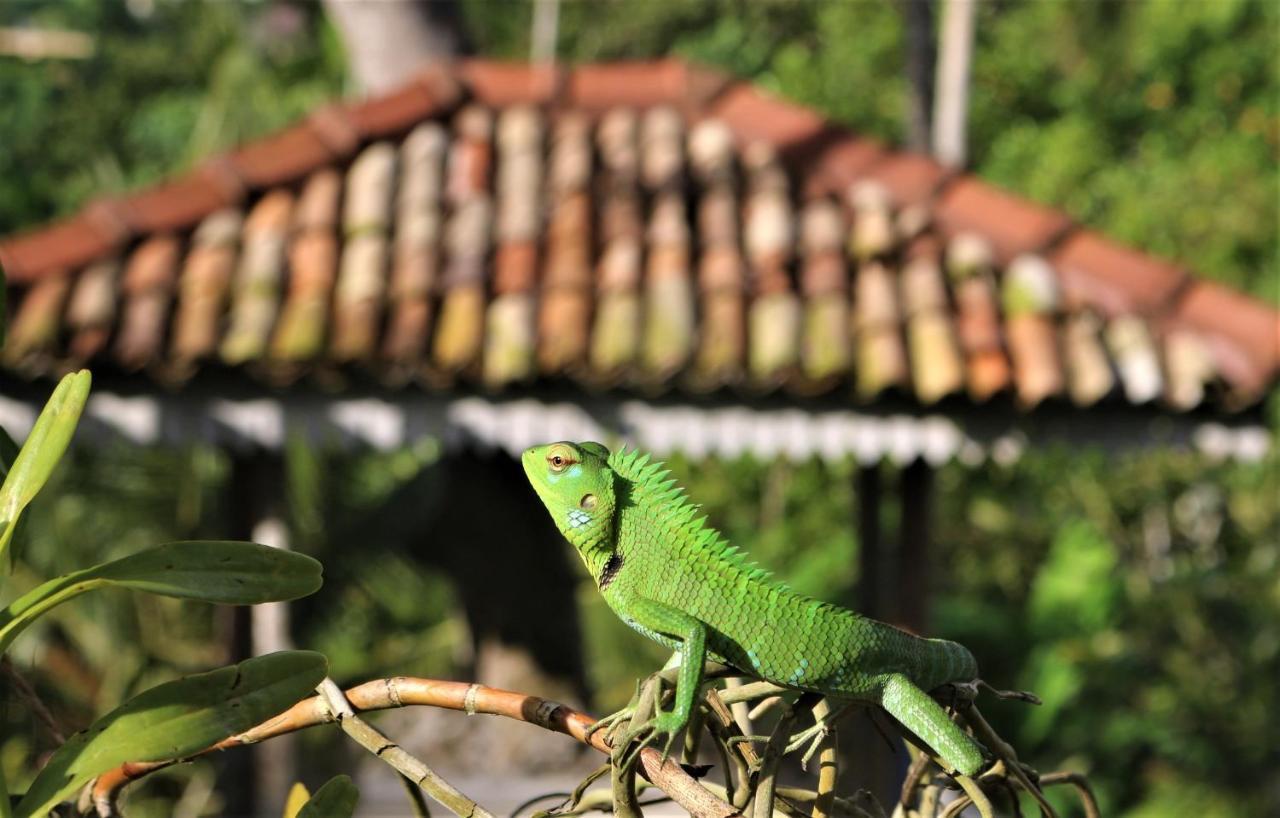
(609, 723)
(635, 740)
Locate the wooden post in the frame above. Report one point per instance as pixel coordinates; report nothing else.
(951, 90)
(869, 545)
(260, 776)
(874, 763)
(916, 487)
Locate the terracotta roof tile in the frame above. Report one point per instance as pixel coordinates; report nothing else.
(499, 84)
(1012, 225)
(1243, 335)
(755, 116)
(1097, 272)
(642, 224)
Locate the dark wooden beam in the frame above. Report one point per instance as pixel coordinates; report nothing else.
(913, 563)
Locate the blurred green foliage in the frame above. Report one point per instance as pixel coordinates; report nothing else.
(1139, 595)
(167, 85)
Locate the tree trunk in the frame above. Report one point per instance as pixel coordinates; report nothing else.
(386, 42)
(918, 19)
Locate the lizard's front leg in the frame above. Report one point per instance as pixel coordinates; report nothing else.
(691, 635)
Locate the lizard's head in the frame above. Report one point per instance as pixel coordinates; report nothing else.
(575, 483)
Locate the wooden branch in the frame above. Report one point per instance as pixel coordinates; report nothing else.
(402, 691)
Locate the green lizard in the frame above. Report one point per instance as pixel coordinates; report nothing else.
(675, 579)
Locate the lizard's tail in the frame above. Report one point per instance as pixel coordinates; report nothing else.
(952, 662)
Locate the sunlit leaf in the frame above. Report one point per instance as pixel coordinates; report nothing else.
(298, 797)
(336, 799)
(42, 450)
(176, 719)
(232, 573)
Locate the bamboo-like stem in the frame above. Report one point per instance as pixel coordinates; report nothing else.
(739, 758)
(741, 712)
(752, 691)
(828, 765)
(915, 775)
(402, 691)
(768, 779)
(370, 738)
(417, 801)
(622, 774)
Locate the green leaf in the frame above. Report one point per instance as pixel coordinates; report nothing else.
(298, 798)
(336, 799)
(232, 573)
(174, 720)
(42, 451)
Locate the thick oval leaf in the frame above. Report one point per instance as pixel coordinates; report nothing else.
(234, 573)
(43, 449)
(336, 799)
(176, 719)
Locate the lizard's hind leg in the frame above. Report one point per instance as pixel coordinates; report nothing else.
(923, 716)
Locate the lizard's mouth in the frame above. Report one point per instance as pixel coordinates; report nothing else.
(534, 464)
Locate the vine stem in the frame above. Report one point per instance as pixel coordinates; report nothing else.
(403, 691)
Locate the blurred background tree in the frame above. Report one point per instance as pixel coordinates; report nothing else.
(1140, 596)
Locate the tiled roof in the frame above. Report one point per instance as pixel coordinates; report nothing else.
(639, 225)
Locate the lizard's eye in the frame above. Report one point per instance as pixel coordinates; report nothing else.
(560, 459)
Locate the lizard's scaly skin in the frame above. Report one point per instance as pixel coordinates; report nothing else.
(675, 579)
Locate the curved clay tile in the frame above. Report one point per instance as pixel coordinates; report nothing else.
(722, 342)
(1188, 368)
(510, 335)
(874, 232)
(564, 314)
(258, 278)
(826, 349)
(147, 286)
(616, 141)
(459, 333)
(711, 153)
(362, 272)
(37, 323)
(1134, 351)
(313, 265)
(203, 288)
(416, 257)
(969, 260)
(471, 155)
(773, 320)
(91, 310)
(936, 366)
(1030, 296)
(881, 358)
(460, 330)
(1089, 374)
(668, 289)
(616, 328)
(662, 149)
